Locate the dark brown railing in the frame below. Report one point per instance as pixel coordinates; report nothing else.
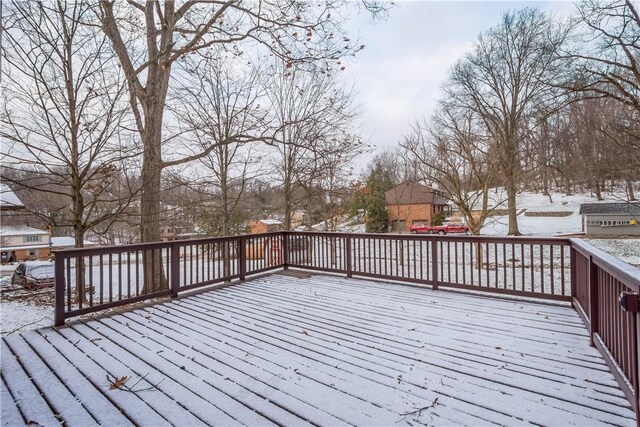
(538, 267)
(606, 296)
(94, 279)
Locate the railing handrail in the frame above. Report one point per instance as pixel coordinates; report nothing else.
(450, 237)
(622, 271)
(155, 245)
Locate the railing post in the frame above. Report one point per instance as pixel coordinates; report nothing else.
(285, 250)
(434, 264)
(175, 269)
(347, 248)
(636, 362)
(242, 259)
(59, 291)
(593, 300)
(572, 272)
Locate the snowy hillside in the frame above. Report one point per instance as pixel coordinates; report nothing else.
(530, 203)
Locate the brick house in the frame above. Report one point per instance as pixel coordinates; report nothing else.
(412, 203)
(259, 226)
(21, 243)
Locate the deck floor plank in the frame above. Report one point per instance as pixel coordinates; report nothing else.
(33, 407)
(256, 379)
(212, 384)
(95, 400)
(170, 393)
(551, 389)
(8, 408)
(471, 345)
(287, 351)
(385, 321)
(353, 374)
(69, 408)
(96, 372)
(323, 350)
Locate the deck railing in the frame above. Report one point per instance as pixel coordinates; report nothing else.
(94, 279)
(606, 297)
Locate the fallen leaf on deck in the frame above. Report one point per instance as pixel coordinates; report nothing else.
(118, 383)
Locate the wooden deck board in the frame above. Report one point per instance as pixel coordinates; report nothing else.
(323, 350)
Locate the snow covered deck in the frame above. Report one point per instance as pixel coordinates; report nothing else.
(324, 350)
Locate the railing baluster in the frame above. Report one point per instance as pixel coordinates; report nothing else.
(175, 269)
(59, 292)
(434, 264)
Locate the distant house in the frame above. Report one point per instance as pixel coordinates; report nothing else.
(177, 232)
(264, 226)
(13, 211)
(21, 243)
(297, 218)
(412, 203)
(611, 218)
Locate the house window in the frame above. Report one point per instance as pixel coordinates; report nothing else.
(30, 239)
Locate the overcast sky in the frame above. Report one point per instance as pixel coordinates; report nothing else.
(399, 74)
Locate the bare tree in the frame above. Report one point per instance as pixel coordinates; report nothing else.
(505, 80)
(296, 32)
(62, 116)
(223, 110)
(309, 110)
(608, 55)
(455, 152)
(336, 159)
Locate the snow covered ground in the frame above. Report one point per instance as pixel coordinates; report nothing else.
(530, 202)
(23, 316)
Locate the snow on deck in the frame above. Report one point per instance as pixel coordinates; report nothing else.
(325, 351)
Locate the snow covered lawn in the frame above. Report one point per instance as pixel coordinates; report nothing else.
(22, 316)
(324, 350)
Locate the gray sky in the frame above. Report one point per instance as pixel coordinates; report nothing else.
(399, 74)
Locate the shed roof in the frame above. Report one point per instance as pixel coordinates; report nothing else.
(610, 208)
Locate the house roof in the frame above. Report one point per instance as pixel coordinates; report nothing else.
(610, 208)
(412, 193)
(24, 247)
(270, 221)
(20, 230)
(67, 242)
(8, 199)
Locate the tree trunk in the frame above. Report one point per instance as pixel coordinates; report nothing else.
(512, 208)
(597, 190)
(80, 290)
(630, 194)
(154, 277)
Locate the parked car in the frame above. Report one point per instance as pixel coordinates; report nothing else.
(449, 228)
(34, 275)
(420, 229)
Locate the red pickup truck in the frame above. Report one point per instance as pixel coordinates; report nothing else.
(451, 227)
